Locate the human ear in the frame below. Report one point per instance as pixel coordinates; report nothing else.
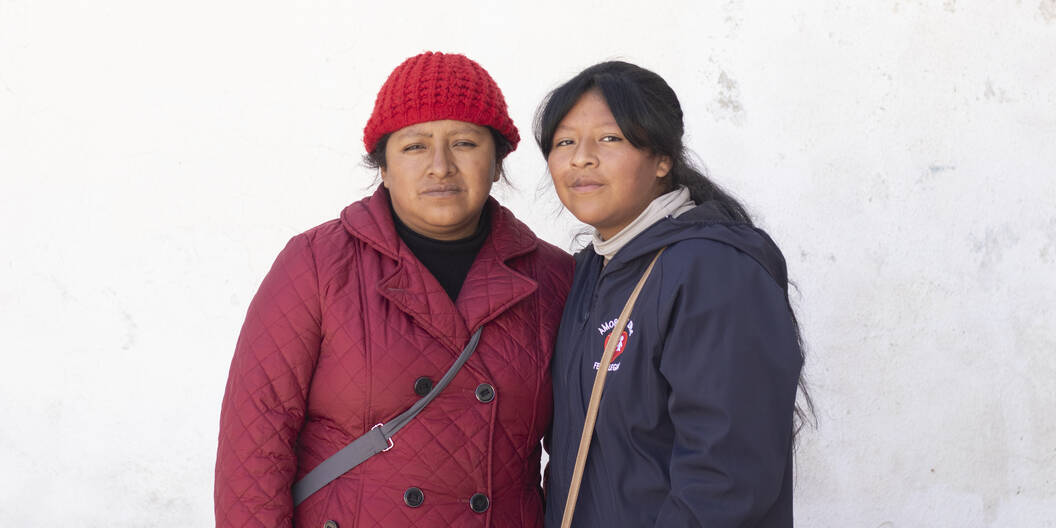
(384, 178)
(663, 166)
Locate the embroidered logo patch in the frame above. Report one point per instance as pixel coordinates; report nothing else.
(621, 345)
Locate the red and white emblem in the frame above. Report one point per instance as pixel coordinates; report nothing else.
(622, 344)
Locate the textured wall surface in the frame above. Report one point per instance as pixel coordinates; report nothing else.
(155, 158)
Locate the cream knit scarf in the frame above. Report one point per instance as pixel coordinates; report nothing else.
(673, 203)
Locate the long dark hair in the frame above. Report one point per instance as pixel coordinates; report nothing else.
(650, 117)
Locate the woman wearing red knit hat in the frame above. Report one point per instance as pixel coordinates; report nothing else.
(393, 369)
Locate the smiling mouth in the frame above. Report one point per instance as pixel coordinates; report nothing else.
(585, 185)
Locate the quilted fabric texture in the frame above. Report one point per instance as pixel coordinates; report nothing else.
(342, 326)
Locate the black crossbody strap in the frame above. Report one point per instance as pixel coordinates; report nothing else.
(378, 439)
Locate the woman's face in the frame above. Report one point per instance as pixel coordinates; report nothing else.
(599, 176)
(439, 175)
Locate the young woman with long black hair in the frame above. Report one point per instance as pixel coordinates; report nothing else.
(698, 413)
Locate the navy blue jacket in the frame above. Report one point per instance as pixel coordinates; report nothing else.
(695, 424)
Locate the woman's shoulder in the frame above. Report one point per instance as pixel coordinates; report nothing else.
(367, 220)
(553, 255)
(549, 266)
(512, 237)
(323, 249)
(327, 233)
(723, 252)
(320, 242)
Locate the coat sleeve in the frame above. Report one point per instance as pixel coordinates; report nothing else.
(732, 360)
(264, 404)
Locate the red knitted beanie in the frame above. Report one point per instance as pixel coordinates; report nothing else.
(436, 86)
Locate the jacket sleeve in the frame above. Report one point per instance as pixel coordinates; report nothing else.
(264, 404)
(555, 295)
(732, 360)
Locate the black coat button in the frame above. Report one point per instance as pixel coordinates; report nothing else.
(479, 502)
(413, 497)
(485, 393)
(423, 385)
(330, 524)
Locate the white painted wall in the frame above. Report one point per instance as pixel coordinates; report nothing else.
(154, 157)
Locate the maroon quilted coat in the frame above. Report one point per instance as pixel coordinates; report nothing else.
(343, 325)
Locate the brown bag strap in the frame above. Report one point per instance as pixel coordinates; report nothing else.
(595, 397)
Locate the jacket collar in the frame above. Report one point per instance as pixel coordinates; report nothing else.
(490, 288)
(706, 221)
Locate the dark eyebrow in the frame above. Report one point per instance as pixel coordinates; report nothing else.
(468, 130)
(417, 133)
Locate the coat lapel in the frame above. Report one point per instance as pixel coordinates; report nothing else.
(491, 287)
(418, 294)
